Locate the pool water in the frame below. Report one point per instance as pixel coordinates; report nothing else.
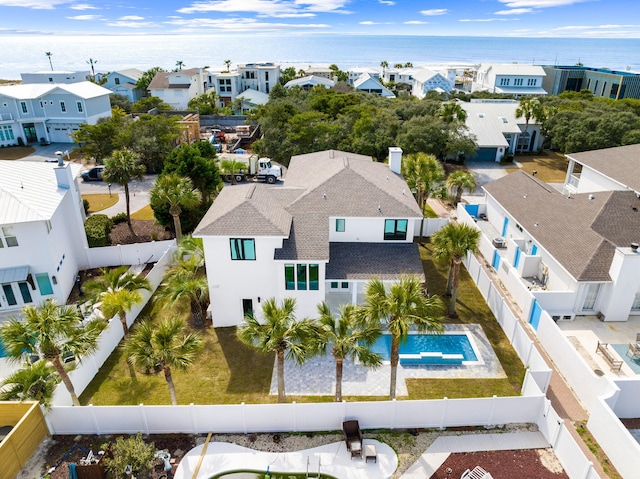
(248, 474)
(429, 349)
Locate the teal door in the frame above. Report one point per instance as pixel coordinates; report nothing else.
(496, 260)
(504, 227)
(516, 260)
(534, 317)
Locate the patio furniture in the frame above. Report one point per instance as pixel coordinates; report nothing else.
(616, 364)
(633, 351)
(370, 453)
(476, 473)
(638, 340)
(353, 437)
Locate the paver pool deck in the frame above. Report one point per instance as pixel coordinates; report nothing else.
(332, 459)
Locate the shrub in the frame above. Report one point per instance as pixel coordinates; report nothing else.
(97, 228)
(133, 452)
(119, 218)
(86, 206)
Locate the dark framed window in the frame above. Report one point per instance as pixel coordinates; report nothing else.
(301, 276)
(243, 249)
(395, 229)
(63, 107)
(340, 225)
(334, 285)
(289, 277)
(313, 277)
(344, 285)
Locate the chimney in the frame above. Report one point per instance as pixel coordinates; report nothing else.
(63, 173)
(395, 159)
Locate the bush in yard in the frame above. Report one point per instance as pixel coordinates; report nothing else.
(119, 218)
(86, 206)
(134, 452)
(97, 228)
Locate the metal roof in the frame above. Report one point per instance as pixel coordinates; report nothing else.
(34, 91)
(489, 122)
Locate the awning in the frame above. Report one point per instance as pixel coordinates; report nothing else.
(18, 273)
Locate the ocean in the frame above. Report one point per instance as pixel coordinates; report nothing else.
(71, 53)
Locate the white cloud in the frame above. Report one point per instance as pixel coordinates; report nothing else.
(131, 24)
(386, 2)
(34, 4)
(267, 7)
(515, 11)
(434, 12)
(241, 25)
(539, 3)
(83, 6)
(85, 17)
(290, 15)
(483, 20)
(369, 22)
(416, 22)
(130, 18)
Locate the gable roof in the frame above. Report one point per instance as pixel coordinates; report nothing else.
(29, 191)
(512, 69)
(621, 164)
(132, 73)
(490, 121)
(367, 82)
(424, 74)
(254, 97)
(34, 91)
(581, 232)
(318, 186)
(161, 79)
(310, 80)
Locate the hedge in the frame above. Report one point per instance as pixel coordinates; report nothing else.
(97, 227)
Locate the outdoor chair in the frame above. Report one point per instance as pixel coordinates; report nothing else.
(476, 473)
(638, 339)
(353, 437)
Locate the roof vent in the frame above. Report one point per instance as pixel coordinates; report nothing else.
(634, 247)
(592, 197)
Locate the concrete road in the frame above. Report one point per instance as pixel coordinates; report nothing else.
(138, 193)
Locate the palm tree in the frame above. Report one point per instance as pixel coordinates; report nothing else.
(408, 65)
(451, 245)
(529, 108)
(228, 63)
(179, 64)
(166, 345)
(179, 192)
(231, 167)
(458, 181)
(34, 382)
(121, 168)
(384, 64)
(92, 62)
(183, 282)
(49, 330)
(281, 334)
(451, 112)
(116, 292)
(348, 338)
(423, 173)
(49, 55)
(401, 307)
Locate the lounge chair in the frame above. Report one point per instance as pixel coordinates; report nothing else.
(353, 437)
(633, 351)
(476, 473)
(638, 339)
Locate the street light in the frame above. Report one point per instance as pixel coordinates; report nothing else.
(109, 186)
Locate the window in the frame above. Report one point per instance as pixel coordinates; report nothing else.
(117, 80)
(518, 82)
(44, 285)
(266, 76)
(9, 237)
(504, 81)
(63, 107)
(243, 249)
(302, 277)
(23, 106)
(395, 229)
(636, 301)
(79, 105)
(591, 297)
(24, 292)
(340, 225)
(532, 82)
(344, 285)
(334, 285)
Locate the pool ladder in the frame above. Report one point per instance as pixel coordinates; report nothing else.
(308, 464)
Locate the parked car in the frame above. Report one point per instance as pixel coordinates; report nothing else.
(94, 174)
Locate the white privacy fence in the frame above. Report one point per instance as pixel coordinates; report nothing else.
(430, 226)
(138, 253)
(109, 339)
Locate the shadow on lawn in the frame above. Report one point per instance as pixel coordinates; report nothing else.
(250, 371)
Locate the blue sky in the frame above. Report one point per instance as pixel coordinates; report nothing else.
(530, 18)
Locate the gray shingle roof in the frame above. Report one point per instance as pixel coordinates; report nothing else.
(581, 233)
(621, 164)
(364, 261)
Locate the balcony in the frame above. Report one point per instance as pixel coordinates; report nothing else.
(574, 180)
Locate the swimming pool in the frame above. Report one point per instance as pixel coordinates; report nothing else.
(449, 348)
(250, 474)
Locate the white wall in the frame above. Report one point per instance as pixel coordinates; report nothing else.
(367, 230)
(138, 253)
(430, 226)
(618, 298)
(591, 182)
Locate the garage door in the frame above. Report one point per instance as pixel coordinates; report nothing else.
(59, 133)
(485, 154)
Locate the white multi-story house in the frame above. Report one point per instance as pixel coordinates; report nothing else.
(226, 85)
(370, 84)
(426, 80)
(338, 220)
(399, 75)
(42, 238)
(574, 253)
(511, 79)
(177, 88)
(49, 112)
(258, 76)
(123, 83)
(356, 72)
(55, 77)
(497, 129)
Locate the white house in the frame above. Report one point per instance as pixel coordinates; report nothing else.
(604, 170)
(258, 76)
(577, 253)
(323, 72)
(497, 129)
(55, 77)
(370, 84)
(123, 83)
(226, 85)
(49, 111)
(426, 80)
(252, 98)
(177, 88)
(511, 79)
(399, 75)
(356, 72)
(338, 220)
(42, 238)
(308, 82)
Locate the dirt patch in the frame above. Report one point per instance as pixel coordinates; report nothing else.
(529, 463)
(143, 231)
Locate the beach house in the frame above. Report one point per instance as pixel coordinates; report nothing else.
(177, 88)
(602, 82)
(123, 83)
(510, 79)
(426, 80)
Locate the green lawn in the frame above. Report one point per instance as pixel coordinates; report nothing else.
(227, 372)
(100, 201)
(551, 167)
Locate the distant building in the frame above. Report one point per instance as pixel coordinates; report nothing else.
(426, 80)
(226, 85)
(602, 82)
(258, 76)
(308, 82)
(370, 84)
(55, 77)
(123, 83)
(399, 75)
(510, 79)
(319, 72)
(356, 72)
(177, 88)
